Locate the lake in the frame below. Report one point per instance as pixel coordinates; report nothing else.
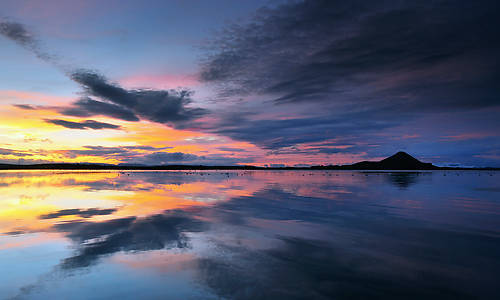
(249, 235)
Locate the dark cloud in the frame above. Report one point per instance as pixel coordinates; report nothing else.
(231, 149)
(25, 106)
(163, 158)
(18, 33)
(24, 161)
(147, 155)
(141, 155)
(335, 50)
(279, 133)
(173, 158)
(127, 155)
(22, 156)
(121, 152)
(146, 148)
(98, 151)
(15, 232)
(84, 213)
(86, 107)
(87, 124)
(162, 106)
(330, 70)
(170, 107)
(5, 151)
(341, 69)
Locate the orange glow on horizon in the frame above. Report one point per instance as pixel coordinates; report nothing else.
(27, 138)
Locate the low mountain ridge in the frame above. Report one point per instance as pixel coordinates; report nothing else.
(398, 161)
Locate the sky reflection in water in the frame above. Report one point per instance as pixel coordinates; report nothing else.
(249, 235)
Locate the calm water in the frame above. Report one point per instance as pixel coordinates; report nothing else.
(249, 235)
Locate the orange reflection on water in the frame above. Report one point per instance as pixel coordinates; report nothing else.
(25, 196)
(33, 201)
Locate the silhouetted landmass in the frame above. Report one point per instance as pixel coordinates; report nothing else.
(85, 166)
(398, 161)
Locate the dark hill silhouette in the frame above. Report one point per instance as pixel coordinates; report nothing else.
(398, 161)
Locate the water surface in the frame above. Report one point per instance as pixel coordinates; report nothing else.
(249, 235)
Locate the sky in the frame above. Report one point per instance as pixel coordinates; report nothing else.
(249, 82)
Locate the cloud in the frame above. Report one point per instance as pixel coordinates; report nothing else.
(204, 140)
(15, 232)
(338, 70)
(87, 124)
(279, 133)
(120, 152)
(231, 149)
(163, 158)
(30, 139)
(5, 151)
(87, 107)
(162, 106)
(306, 71)
(171, 107)
(25, 161)
(18, 33)
(23, 156)
(331, 51)
(125, 155)
(152, 156)
(25, 106)
(468, 136)
(84, 213)
(169, 158)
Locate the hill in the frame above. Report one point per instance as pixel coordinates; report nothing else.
(398, 161)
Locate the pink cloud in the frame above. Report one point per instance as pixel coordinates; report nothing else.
(489, 156)
(410, 136)
(467, 136)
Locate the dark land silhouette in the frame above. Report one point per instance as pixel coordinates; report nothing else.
(398, 161)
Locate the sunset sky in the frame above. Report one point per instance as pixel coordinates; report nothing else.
(249, 82)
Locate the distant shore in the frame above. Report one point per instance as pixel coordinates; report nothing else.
(401, 161)
(63, 166)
